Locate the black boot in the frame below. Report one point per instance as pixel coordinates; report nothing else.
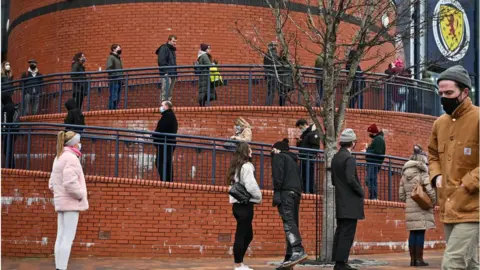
(412, 255)
(419, 256)
(298, 256)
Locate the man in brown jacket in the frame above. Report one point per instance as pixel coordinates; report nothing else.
(454, 169)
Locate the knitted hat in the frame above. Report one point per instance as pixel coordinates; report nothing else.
(282, 145)
(204, 47)
(373, 129)
(458, 74)
(348, 135)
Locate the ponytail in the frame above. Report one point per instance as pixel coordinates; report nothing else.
(62, 138)
(60, 142)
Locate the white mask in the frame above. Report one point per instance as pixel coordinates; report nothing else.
(7, 67)
(79, 146)
(162, 109)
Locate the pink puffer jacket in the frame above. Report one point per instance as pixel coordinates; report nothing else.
(67, 183)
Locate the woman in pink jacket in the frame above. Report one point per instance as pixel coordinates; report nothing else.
(67, 183)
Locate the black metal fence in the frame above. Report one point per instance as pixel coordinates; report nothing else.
(247, 85)
(132, 154)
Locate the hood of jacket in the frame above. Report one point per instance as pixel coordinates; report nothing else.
(6, 99)
(70, 104)
(170, 47)
(200, 53)
(412, 168)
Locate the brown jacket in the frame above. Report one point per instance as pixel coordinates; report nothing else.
(453, 154)
(415, 217)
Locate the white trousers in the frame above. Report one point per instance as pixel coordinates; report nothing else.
(66, 230)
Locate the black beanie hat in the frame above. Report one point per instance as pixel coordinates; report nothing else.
(282, 145)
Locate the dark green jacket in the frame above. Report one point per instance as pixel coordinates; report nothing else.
(114, 62)
(377, 147)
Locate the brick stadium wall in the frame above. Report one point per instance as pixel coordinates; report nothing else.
(54, 38)
(138, 218)
(269, 124)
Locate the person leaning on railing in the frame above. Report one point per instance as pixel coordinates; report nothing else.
(67, 183)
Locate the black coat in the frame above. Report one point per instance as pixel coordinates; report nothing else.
(167, 124)
(74, 115)
(348, 191)
(167, 57)
(9, 111)
(7, 83)
(32, 85)
(309, 139)
(80, 84)
(286, 173)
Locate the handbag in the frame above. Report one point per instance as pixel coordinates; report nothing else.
(239, 192)
(420, 196)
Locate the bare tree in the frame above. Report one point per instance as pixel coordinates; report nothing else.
(318, 32)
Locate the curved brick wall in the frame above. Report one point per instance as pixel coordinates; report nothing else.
(55, 37)
(138, 218)
(270, 124)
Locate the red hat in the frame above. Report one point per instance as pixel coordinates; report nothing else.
(373, 129)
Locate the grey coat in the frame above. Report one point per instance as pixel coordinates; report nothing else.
(415, 217)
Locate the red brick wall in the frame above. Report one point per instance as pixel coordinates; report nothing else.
(269, 124)
(54, 38)
(155, 219)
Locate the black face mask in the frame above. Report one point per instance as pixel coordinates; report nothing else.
(449, 104)
(372, 136)
(33, 66)
(119, 52)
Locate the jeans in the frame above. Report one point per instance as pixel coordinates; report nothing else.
(31, 103)
(289, 209)
(115, 89)
(371, 181)
(243, 213)
(416, 238)
(168, 82)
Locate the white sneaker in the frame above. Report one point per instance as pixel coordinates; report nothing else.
(242, 267)
(246, 267)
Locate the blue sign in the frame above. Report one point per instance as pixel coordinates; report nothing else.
(451, 33)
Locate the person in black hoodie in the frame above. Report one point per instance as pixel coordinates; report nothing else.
(309, 139)
(167, 61)
(349, 198)
(80, 84)
(165, 144)
(74, 116)
(32, 84)
(287, 190)
(10, 114)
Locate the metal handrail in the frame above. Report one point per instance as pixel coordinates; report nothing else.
(248, 85)
(129, 153)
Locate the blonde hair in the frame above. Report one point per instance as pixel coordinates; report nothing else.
(62, 138)
(3, 71)
(242, 122)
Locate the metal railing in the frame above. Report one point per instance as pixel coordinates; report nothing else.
(248, 85)
(125, 153)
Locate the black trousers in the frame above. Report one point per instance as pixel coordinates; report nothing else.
(8, 143)
(343, 240)
(159, 162)
(288, 210)
(243, 213)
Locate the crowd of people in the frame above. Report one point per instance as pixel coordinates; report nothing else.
(449, 177)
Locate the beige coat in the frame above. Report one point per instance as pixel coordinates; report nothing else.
(453, 153)
(415, 217)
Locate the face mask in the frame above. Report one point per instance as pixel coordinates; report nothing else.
(83, 60)
(119, 52)
(162, 109)
(372, 136)
(449, 104)
(33, 66)
(79, 146)
(7, 67)
(303, 129)
(238, 129)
